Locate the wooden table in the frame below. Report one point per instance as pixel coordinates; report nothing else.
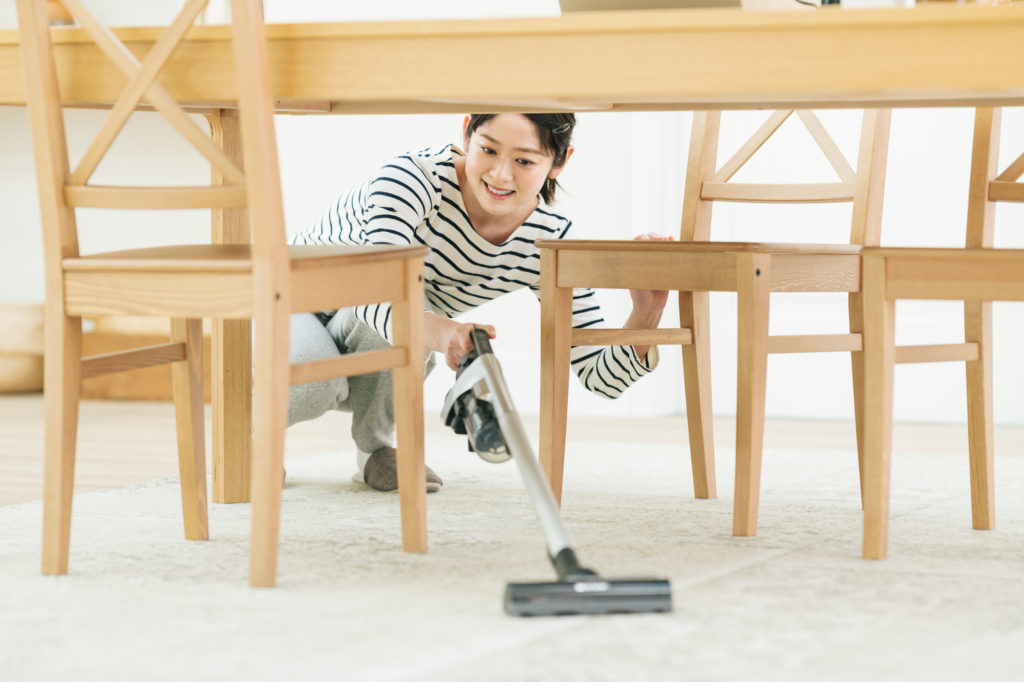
(932, 55)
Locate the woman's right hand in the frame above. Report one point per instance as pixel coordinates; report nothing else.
(450, 337)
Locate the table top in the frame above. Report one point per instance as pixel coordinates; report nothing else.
(932, 55)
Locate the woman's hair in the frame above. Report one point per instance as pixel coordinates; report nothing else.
(555, 133)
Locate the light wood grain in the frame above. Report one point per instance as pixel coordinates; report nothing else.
(753, 276)
(694, 313)
(872, 162)
(814, 343)
(272, 294)
(691, 59)
(618, 337)
(815, 271)
(348, 364)
(63, 339)
(646, 269)
(694, 306)
(230, 341)
(187, 380)
(341, 283)
(946, 352)
(824, 192)
(159, 294)
(555, 345)
(960, 276)
(999, 190)
(981, 213)
(138, 358)
(978, 333)
(408, 399)
(95, 196)
(878, 375)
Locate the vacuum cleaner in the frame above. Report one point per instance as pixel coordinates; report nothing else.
(480, 407)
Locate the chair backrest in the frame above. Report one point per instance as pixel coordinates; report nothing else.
(988, 185)
(707, 182)
(63, 189)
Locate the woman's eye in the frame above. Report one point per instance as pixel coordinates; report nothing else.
(524, 162)
(487, 150)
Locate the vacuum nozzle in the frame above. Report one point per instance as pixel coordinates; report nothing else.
(581, 591)
(588, 597)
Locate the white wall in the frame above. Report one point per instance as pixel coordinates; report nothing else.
(624, 179)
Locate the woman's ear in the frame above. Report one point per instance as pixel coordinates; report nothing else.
(555, 170)
(465, 128)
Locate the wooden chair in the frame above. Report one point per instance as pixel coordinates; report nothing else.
(265, 282)
(977, 275)
(695, 266)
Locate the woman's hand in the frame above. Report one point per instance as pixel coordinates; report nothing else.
(450, 337)
(648, 304)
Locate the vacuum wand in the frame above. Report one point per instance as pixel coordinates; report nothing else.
(480, 406)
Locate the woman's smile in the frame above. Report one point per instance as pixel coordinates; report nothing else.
(496, 192)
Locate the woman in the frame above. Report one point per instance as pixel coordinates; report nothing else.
(479, 211)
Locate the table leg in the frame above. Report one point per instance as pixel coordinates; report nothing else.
(231, 371)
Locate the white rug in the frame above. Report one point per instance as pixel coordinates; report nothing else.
(794, 603)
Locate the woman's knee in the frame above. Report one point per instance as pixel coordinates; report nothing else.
(311, 342)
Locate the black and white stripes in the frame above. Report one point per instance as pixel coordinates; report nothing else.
(415, 199)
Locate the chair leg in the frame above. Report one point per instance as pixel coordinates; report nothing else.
(753, 282)
(555, 334)
(270, 418)
(187, 380)
(62, 390)
(879, 358)
(857, 367)
(693, 313)
(978, 329)
(407, 382)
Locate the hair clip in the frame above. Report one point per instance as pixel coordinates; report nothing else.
(561, 129)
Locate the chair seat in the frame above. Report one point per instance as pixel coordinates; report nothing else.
(978, 274)
(228, 257)
(701, 266)
(645, 245)
(148, 281)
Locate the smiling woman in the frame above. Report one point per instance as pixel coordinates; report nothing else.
(480, 212)
(510, 161)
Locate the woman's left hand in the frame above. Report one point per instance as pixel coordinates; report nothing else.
(648, 304)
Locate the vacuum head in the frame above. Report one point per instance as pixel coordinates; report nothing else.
(588, 597)
(581, 591)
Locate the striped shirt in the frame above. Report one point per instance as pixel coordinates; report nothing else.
(416, 199)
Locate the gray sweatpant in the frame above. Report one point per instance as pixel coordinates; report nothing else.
(369, 397)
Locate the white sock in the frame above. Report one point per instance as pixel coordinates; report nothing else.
(361, 458)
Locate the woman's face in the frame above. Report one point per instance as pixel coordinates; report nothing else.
(506, 167)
